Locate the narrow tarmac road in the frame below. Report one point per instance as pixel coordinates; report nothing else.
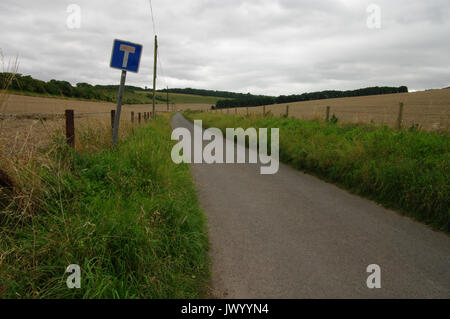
(291, 235)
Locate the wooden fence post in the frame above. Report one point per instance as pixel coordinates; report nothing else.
(247, 110)
(287, 110)
(327, 114)
(235, 110)
(132, 117)
(113, 116)
(264, 110)
(139, 117)
(70, 128)
(400, 116)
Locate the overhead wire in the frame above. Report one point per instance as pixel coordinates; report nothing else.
(153, 18)
(160, 69)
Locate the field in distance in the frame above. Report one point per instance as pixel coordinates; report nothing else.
(21, 133)
(137, 97)
(428, 109)
(28, 104)
(179, 98)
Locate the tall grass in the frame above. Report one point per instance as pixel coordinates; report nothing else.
(407, 170)
(129, 218)
(9, 68)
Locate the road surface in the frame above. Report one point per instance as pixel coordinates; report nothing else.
(291, 235)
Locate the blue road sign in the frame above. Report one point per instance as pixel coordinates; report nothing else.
(126, 55)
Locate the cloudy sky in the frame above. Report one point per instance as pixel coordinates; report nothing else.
(260, 46)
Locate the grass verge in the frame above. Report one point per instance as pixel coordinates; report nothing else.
(129, 218)
(406, 170)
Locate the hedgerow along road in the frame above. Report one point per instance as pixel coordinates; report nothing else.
(291, 235)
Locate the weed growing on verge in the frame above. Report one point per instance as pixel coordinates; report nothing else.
(129, 218)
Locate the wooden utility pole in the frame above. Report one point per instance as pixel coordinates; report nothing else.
(154, 75)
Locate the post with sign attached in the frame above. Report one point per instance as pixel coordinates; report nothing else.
(126, 57)
(119, 107)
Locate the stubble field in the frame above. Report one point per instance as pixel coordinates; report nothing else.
(20, 134)
(430, 110)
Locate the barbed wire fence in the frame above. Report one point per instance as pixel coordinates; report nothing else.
(401, 115)
(69, 116)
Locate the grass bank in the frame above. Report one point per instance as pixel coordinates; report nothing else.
(407, 170)
(129, 218)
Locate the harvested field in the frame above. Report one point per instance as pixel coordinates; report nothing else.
(23, 135)
(19, 134)
(22, 104)
(428, 109)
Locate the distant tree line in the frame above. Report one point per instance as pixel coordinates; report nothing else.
(56, 88)
(223, 94)
(247, 101)
(115, 88)
(65, 89)
(103, 92)
(329, 94)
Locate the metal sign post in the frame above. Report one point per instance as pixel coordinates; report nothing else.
(119, 107)
(125, 56)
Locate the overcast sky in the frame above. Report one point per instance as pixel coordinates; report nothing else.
(260, 46)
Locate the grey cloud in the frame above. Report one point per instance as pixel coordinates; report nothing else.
(263, 46)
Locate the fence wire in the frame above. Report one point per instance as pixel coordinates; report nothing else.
(50, 115)
(45, 115)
